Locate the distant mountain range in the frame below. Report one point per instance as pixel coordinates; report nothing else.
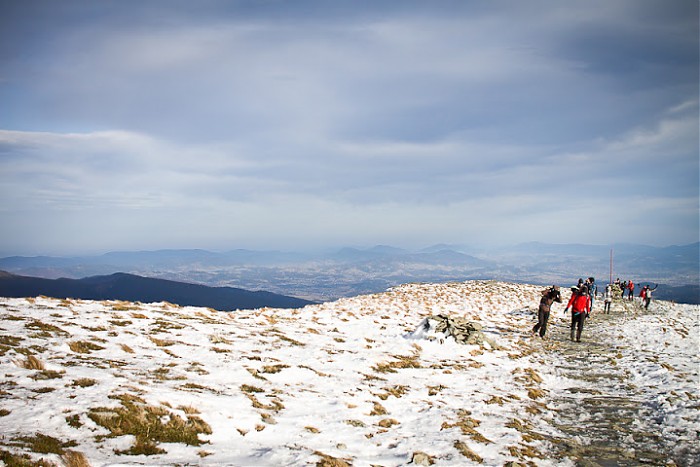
(323, 276)
(129, 287)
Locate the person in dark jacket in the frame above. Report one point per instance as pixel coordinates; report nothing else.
(580, 304)
(592, 289)
(549, 296)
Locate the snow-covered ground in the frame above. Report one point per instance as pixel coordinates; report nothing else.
(356, 382)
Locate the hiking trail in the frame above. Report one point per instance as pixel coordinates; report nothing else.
(608, 420)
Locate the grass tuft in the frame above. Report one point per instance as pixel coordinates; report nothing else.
(248, 389)
(467, 452)
(378, 409)
(161, 342)
(123, 322)
(83, 346)
(74, 421)
(47, 374)
(75, 459)
(45, 330)
(148, 424)
(142, 447)
(274, 368)
(125, 306)
(22, 460)
(84, 382)
(44, 444)
(330, 461)
(217, 339)
(401, 362)
(388, 422)
(31, 363)
(291, 341)
(10, 341)
(189, 409)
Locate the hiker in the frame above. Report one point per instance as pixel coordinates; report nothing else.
(549, 296)
(630, 289)
(592, 289)
(647, 295)
(580, 304)
(607, 299)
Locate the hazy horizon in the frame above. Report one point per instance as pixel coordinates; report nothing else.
(465, 248)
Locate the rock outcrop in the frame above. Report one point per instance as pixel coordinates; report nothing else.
(463, 331)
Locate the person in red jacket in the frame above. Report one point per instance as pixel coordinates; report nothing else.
(630, 287)
(580, 304)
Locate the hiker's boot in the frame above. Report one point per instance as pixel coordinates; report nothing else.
(572, 333)
(578, 336)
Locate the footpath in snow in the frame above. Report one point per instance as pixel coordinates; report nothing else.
(629, 393)
(360, 381)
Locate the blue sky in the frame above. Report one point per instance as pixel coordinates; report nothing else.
(303, 124)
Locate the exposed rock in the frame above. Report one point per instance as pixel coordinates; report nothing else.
(421, 458)
(463, 331)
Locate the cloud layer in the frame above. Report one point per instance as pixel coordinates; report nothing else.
(312, 123)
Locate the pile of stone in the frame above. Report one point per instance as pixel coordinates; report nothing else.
(461, 329)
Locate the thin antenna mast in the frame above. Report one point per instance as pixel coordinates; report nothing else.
(611, 265)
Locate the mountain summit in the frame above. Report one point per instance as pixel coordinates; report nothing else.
(358, 381)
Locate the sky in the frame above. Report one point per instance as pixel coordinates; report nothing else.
(306, 124)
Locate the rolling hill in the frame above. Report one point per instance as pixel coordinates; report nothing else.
(130, 287)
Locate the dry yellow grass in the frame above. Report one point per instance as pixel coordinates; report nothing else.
(330, 461)
(148, 424)
(75, 459)
(467, 452)
(83, 346)
(30, 363)
(378, 409)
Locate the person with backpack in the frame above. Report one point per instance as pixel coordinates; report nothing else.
(592, 289)
(549, 296)
(580, 304)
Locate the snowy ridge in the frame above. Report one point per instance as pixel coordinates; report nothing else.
(358, 381)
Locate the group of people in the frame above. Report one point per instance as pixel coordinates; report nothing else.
(644, 293)
(581, 302)
(583, 296)
(625, 286)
